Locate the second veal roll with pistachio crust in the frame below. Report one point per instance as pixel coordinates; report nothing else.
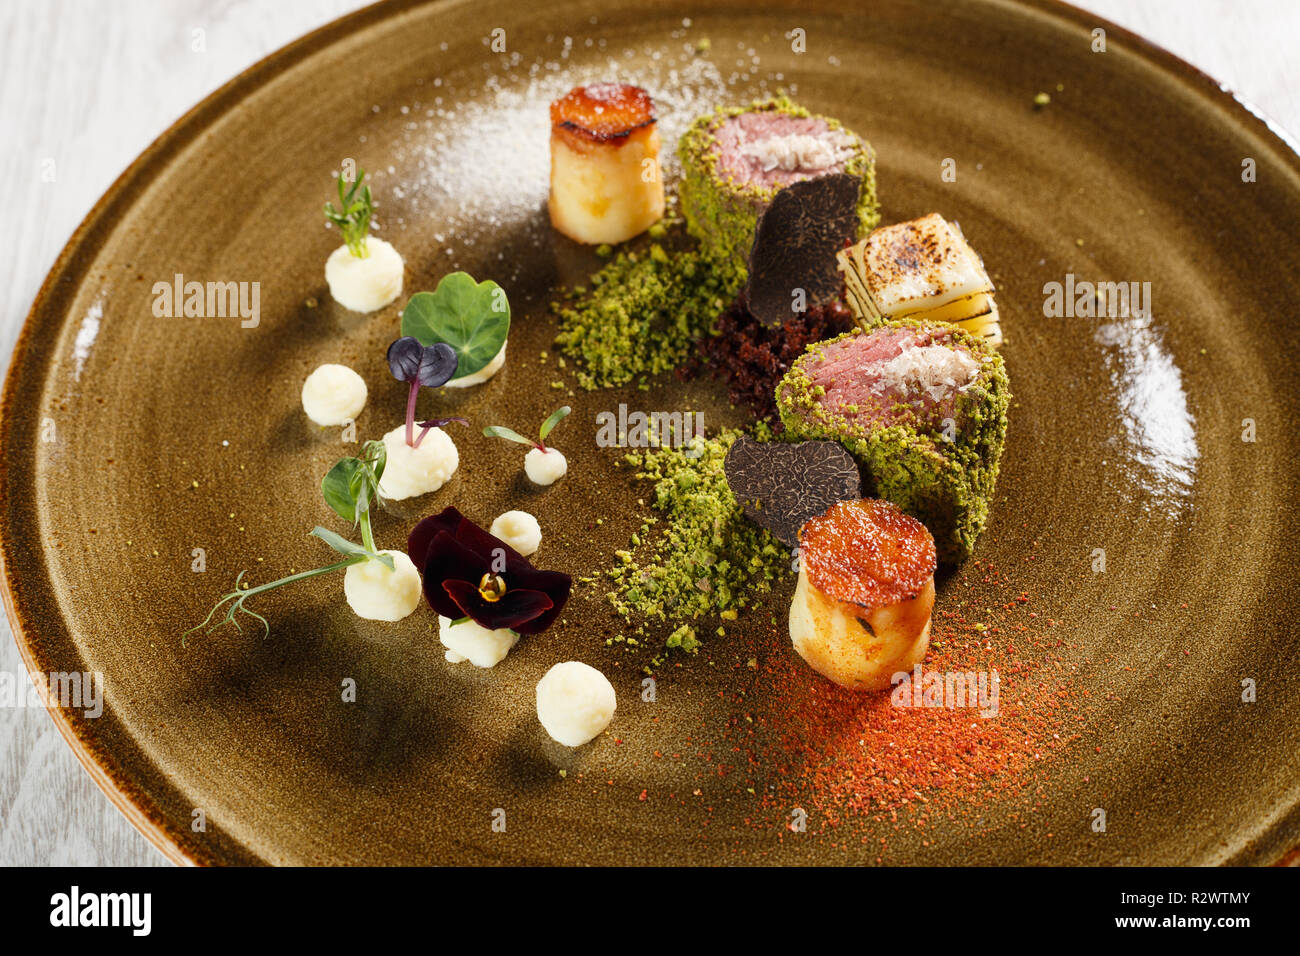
(922, 407)
(736, 159)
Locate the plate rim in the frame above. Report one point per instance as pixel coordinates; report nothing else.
(138, 808)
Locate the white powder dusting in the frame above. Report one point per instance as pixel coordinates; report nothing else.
(86, 335)
(934, 369)
(799, 151)
(475, 154)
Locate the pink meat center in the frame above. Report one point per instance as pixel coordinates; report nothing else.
(878, 378)
(772, 149)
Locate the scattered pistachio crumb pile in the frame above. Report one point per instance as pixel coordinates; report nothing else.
(707, 560)
(642, 313)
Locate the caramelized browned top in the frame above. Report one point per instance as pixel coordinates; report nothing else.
(602, 112)
(866, 553)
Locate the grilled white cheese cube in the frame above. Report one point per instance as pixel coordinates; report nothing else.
(957, 310)
(920, 269)
(916, 265)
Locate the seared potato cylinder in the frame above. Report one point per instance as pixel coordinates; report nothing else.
(855, 651)
(861, 610)
(606, 184)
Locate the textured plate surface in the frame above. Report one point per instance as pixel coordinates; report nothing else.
(1126, 436)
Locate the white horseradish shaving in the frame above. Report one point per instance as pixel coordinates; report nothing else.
(799, 151)
(934, 369)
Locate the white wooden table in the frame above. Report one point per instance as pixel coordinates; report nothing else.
(85, 85)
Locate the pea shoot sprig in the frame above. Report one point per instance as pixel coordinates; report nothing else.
(350, 488)
(509, 434)
(353, 214)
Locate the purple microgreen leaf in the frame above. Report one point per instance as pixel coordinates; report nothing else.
(437, 364)
(430, 366)
(440, 422)
(436, 423)
(405, 356)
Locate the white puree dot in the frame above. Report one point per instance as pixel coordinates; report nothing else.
(333, 395)
(364, 285)
(520, 530)
(410, 472)
(545, 467)
(378, 594)
(469, 641)
(575, 702)
(483, 374)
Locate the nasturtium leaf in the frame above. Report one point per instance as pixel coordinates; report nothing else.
(472, 317)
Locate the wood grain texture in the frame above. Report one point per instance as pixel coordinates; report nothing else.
(85, 86)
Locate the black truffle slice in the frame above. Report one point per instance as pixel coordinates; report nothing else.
(795, 245)
(781, 485)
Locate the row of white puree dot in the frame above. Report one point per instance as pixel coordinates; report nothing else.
(575, 702)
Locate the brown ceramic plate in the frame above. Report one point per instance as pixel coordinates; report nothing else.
(1126, 436)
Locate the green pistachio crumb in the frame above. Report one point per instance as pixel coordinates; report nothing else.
(708, 555)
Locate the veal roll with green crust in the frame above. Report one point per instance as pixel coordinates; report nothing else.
(736, 159)
(922, 406)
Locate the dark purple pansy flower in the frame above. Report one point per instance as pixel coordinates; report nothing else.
(471, 573)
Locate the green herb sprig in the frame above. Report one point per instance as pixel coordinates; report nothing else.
(353, 214)
(349, 488)
(509, 434)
